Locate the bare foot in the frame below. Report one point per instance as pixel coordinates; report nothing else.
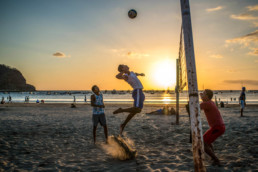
(119, 110)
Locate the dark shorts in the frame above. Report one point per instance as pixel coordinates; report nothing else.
(213, 133)
(99, 118)
(138, 97)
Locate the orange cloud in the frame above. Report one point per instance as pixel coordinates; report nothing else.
(130, 54)
(252, 8)
(214, 9)
(244, 16)
(254, 52)
(216, 56)
(246, 39)
(249, 40)
(136, 55)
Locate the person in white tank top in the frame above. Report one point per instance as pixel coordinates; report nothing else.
(138, 96)
(133, 80)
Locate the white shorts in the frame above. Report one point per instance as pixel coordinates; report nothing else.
(242, 104)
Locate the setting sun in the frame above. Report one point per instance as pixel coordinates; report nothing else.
(164, 73)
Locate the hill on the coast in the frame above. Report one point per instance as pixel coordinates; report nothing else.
(12, 79)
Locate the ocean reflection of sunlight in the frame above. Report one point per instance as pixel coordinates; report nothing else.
(167, 100)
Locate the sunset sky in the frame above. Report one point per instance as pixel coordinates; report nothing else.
(72, 45)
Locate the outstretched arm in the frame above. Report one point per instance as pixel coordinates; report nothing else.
(139, 74)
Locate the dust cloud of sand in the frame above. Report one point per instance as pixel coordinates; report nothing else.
(116, 150)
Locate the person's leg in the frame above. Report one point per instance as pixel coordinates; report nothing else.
(210, 152)
(209, 137)
(122, 126)
(106, 133)
(212, 147)
(130, 110)
(102, 120)
(95, 122)
(242, 108)
(94, 134)
(138, 97)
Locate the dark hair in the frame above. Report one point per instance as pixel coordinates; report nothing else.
(209, 93)
(120, 67)
(92, 88)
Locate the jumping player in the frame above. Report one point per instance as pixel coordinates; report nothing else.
(138, 96)
(215, 121)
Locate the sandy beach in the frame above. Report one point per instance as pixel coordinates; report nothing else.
(52, 137)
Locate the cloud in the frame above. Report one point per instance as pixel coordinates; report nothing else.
(254, 52)
(256, 61)
(244, 16)
(245, 82)
(250, 16)
(245, 40)
(252, 8)
(216, 56)
(60, 55)
(129, 54)
(249, 40)
(214, 9)
(134, 55)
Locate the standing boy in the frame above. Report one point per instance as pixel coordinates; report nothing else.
(215, 121)
(242, 101)
(138, 96)
(98, 112)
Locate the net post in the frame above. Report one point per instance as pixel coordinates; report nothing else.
(196, 126)
(177, 91)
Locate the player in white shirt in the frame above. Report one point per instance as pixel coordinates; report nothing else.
(138, 96)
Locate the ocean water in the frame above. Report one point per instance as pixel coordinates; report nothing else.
(151, 97)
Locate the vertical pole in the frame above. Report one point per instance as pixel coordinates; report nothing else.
(177, 91)
(196, 126)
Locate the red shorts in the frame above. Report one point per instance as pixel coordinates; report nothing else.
(213, 133)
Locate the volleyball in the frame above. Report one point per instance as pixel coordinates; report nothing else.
(132, 13)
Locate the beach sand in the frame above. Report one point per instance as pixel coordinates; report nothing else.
(52, 137)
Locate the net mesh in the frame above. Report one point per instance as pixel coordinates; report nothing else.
(182, 63)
